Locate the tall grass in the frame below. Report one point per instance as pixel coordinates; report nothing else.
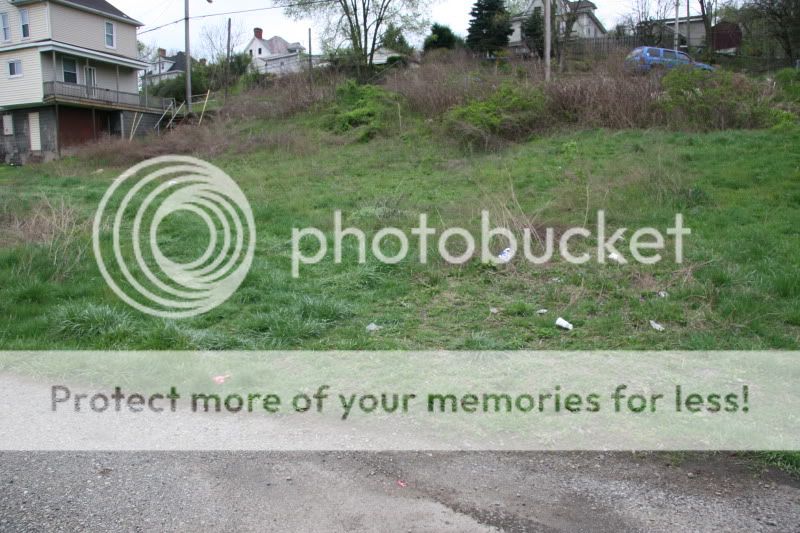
(53, 226)
(601, 94)
(285, 96)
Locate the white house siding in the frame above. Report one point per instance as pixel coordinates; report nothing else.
(106, 72)
(107, 78)
(37, 19)
(88, 31)
(281, 65)
(27, 88)
(697, 28)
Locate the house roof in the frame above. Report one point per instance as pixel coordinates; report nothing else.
(682, 20)
(178, 62)
(582, 5)
(100, 7)
(277, 45)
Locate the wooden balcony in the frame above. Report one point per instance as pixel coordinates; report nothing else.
(73, 93)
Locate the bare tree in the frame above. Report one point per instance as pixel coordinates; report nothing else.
(359, 24)
(707, 10)
(214, 39)
(783, 22)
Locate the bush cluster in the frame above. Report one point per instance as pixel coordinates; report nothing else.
(788, 81)
(365, 110)
(511, 112)
(716, 100)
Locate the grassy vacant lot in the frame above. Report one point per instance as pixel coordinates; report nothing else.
(739, 288)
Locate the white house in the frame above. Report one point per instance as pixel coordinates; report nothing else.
(275, 55)
(694, 31)
(587, 25)
(165, 67)
(70, 72)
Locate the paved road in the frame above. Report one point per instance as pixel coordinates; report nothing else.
(461, 492)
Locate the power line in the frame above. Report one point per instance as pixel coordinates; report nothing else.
(238, 13)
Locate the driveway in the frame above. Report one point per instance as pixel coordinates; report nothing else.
(393, 492)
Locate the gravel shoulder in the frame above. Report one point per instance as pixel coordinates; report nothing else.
(48, 491)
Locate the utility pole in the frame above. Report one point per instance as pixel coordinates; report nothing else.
(688, 26)
(228, 60)
(310, 59)
(677, 25)
(188, 54)
(548, 39)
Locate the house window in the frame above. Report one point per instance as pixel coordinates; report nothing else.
(8, 125)
(259, 51)
(70, 70)
(6, 27)
(23, 23)
(111, 40)
(251, 52)
(15, 68)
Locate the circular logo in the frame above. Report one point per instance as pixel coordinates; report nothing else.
(140, 272)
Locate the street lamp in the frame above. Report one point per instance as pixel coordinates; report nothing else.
(188, 56)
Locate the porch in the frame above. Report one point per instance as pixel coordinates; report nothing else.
(101, 98)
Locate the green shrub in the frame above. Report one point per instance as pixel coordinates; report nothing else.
(512, 112)
(366, 110)
(788, 81)
(716, 100)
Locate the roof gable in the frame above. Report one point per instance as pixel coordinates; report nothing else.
(275, 45)
(100, 7)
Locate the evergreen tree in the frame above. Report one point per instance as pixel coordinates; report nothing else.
(441, 37)
(533, 32)
(393, 39)
(490, 27)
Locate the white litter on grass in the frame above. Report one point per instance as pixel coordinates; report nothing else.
(372, 328)
(494, 310)
(505, 257)
(663, 294)
(656, 326)
(98, 171)
(542, 312)
(614, 256)
(173, 182)
(563, 324)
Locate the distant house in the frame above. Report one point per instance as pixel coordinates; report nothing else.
(165, 67)
(275, 55)
(587, 25)
(691, 31)
(383, 55)
(70, 73)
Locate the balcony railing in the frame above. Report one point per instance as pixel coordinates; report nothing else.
(75, 91)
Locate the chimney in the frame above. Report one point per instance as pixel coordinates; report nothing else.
(259, 33)
(162, 52)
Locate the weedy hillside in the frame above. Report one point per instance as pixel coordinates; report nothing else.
(449, 139)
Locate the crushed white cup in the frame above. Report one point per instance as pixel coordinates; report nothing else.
(563, 324)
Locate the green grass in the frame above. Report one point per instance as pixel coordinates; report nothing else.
(739, 192)
(739, 288)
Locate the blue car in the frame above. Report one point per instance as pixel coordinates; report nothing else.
(647, 58)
